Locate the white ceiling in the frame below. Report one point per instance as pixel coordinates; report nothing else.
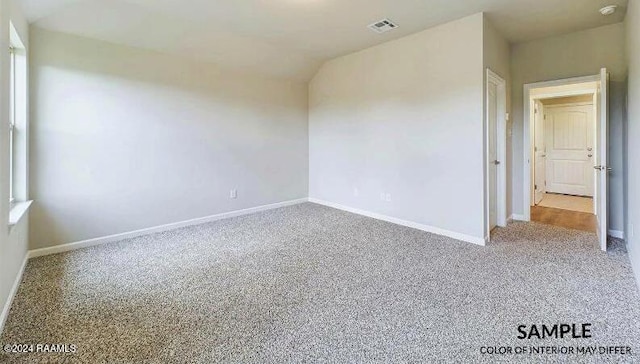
(291, 38)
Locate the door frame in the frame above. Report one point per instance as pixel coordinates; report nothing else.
(527, 128)
(501, 149)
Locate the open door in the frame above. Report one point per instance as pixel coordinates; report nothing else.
(602, 170)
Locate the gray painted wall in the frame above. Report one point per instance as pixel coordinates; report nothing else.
(572, 55)
(404, 118)
(124, 139)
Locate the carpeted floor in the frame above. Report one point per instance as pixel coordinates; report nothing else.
(312, 284)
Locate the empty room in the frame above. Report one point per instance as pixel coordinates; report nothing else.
(285, 181)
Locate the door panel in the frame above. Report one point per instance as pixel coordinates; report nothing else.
(570, 142)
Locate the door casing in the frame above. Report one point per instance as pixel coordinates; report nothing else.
(528, 175)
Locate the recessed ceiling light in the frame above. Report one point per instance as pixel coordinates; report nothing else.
(608, 10)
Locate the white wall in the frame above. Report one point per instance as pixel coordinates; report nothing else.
(404, 118)
(633, 134)
(572, 55)
(13, 242)
(125, 139)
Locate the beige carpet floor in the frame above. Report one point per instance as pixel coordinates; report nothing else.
(309, 283)
(566, 202)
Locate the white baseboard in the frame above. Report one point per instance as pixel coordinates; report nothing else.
(156, 229)
(616, 234)
(518, 217)
(411, 224)
(12, 294)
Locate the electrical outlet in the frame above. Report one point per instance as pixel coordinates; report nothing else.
(233, 194)
(382, 196)
(356, 192)
(387, 197)
(630, 231)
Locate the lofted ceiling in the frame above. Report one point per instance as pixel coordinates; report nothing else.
(291, 38)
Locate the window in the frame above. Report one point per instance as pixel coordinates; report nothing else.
(18, 128)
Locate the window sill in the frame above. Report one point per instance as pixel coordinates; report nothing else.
(18, 210)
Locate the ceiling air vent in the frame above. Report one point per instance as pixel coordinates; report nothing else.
(382, 26)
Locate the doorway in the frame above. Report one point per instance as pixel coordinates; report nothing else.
(563, 144)
(565, 153)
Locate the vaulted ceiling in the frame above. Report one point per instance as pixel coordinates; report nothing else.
(291, 38)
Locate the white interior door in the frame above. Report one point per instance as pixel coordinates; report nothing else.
(540, 153)
(493, 154)
(570, 142)
(602, 131)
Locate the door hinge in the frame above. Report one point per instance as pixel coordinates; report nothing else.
(536, 187)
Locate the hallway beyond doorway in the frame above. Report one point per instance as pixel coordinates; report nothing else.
(567, 202)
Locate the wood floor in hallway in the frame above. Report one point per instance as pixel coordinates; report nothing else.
(564, 218)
